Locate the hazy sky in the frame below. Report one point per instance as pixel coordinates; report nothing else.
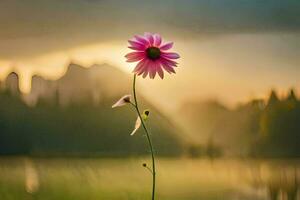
(231, 49)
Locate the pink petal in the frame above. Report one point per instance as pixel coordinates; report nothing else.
(167, 67)
(136, 48)
(166, 46)
(168, 61)
(150, 38)
(135, 56)
(139, 66)
(146, 70)
(142, 71)
(141, 39)
(136, 45)
(157, 40)
(153, 69)
(160, 71)
(170, 55)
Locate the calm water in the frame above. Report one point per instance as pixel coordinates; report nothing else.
(118, 179)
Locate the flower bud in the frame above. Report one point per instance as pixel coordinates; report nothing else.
(123, 101)
(146, 114)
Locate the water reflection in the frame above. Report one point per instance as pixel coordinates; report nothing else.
(280, 180)
(178, 179)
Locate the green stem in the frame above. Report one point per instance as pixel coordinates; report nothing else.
(148, 138)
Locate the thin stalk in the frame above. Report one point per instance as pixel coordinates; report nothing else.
(148, 137)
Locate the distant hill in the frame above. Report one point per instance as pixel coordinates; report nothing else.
(73, 116)
(78, 84)
(257, 128)
(210, 121)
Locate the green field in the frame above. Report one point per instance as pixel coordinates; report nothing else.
(118, 179)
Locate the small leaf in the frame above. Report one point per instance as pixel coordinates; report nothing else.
(123, 101)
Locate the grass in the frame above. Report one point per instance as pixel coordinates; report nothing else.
(126, 179)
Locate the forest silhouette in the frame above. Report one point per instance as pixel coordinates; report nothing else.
(258, 128)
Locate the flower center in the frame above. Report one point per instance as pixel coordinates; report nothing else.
(153, 53)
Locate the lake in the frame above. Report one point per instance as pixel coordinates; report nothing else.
(126, 179)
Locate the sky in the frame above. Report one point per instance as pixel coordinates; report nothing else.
(232, 50)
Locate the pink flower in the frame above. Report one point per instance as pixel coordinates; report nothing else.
(151, 55)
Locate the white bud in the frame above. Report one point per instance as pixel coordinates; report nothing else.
(123, 101)
(138, 123)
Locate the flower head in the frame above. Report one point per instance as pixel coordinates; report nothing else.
(151, 55)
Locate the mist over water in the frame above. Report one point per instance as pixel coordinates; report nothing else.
(194, 179)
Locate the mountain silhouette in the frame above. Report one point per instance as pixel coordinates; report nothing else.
(79, 84)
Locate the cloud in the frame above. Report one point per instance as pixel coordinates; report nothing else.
(33, 27)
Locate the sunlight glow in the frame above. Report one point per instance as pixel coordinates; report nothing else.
(208, 69)
(53, 65)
